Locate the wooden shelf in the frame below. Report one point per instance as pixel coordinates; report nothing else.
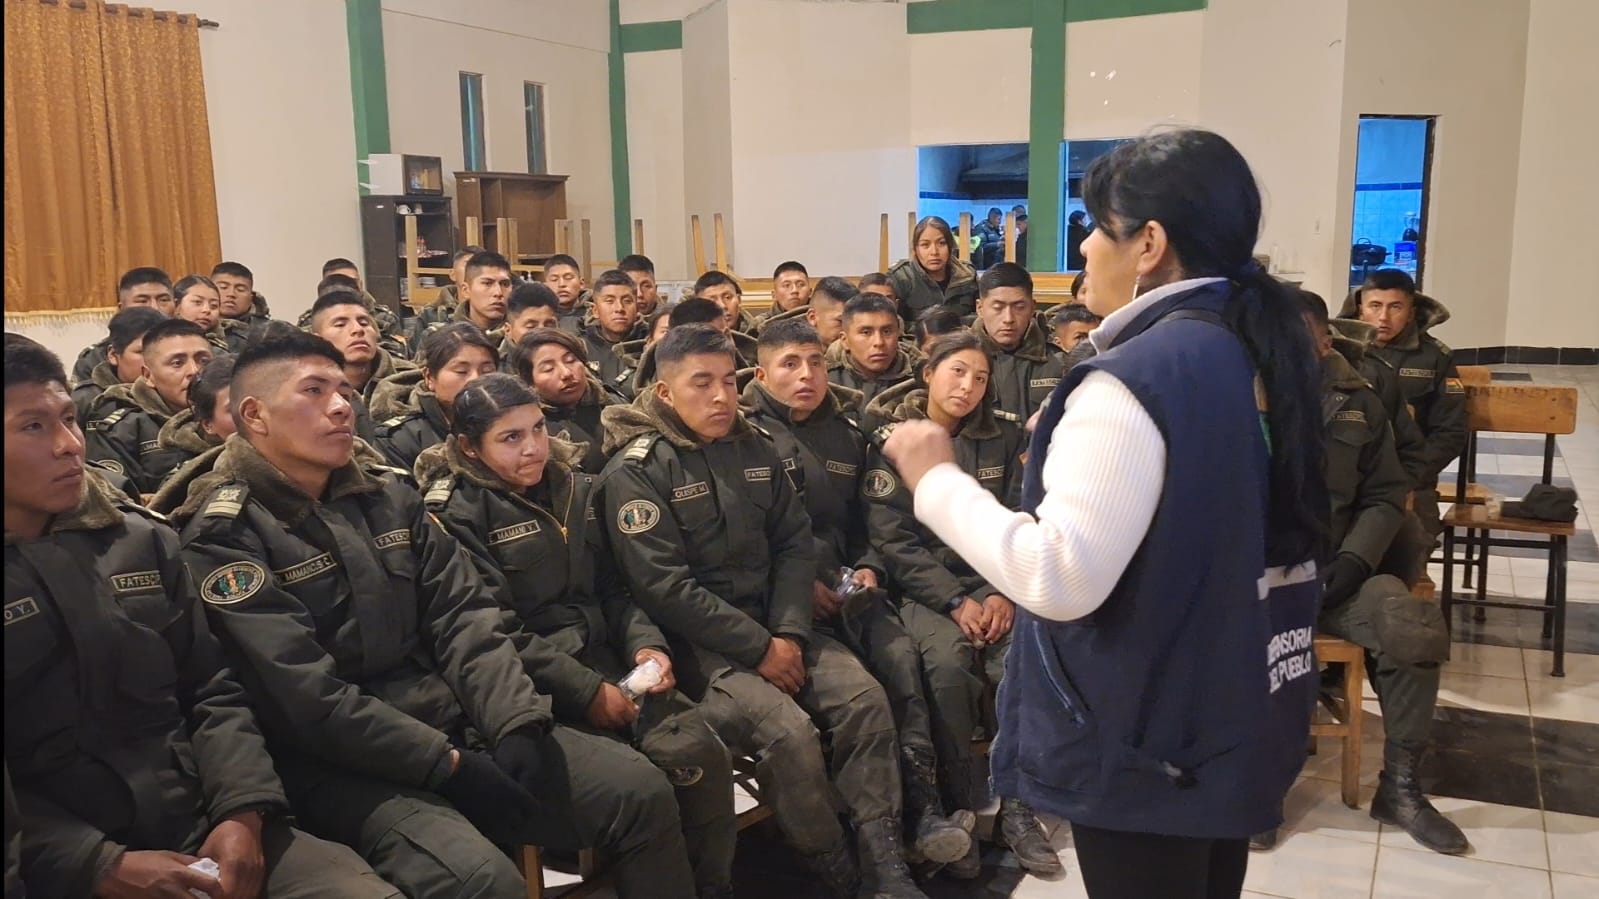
(535, 201)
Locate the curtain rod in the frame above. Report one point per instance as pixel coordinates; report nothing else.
(79, 4)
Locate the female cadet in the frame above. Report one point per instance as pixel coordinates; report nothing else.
(414, 407)
(933, 276)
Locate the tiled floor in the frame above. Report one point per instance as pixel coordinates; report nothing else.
(1516, 763)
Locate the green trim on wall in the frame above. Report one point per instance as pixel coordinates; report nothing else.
(1089, 10)
(967, 15)
(369, 85)
(1046, 129)
(643, 37)
(621, 180)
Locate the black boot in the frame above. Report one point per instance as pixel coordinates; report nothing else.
(933, 836)
(1399, 802)
(883, 871)
(970, 865)
(835, 870)
(1019, 828)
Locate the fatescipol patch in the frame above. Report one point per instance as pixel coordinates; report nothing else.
(879, 483)
(234, 582)
(637, 516)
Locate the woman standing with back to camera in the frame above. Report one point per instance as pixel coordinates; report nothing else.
(1160, 680)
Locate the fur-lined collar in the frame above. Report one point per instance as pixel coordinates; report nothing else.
(908, 402)
(447, 460)
(903, 366)
(237, 460)
(140, 394)
(182, 432)
(649, 414)
(837, 401)
(1429, 314)
(97, 508)
(1033, 347)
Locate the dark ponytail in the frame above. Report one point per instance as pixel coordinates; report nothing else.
(1200, 189)
(481, 403)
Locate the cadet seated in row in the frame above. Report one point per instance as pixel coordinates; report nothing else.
(412, 408)
(880, 284)
(343, 320)
(870, 358)
(960, 623)
(642, 271)
(207, 420)
(514, 498)
(933, 276)
(485, 291)
(196, 299)
(717, 549)
(613, 311)
(1026, 365)
(125, 421)
(825, 456)
(1073, 322)
(694, 311)
(554, 364)
(142, 286)
(824, 312)
(725, 291)
(532, 306)
(133, 749)
(933, 324)
(123, 360)
(565, 276)
(399, 714)
(240, 302)
(791, 290)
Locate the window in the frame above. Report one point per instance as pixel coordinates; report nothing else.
(533, 103)
(1393, 173)
(472, 152)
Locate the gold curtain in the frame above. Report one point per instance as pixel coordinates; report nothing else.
(108, 152)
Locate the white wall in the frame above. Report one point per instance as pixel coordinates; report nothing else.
(1126, 76)
(1557, 191)
(707, 122)
(963, 87)
(655, 156)
(1469, 71)
(560, 44)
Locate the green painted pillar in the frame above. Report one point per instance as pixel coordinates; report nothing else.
(1046, 130)
(621, 180)
(369, 86)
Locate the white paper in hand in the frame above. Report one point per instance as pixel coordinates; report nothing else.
(209, 868)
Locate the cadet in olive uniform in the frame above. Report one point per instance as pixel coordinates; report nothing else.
(484, 302)
(1427, 376)
(125, 421)
(553, 363)
(725, 291)
(825, 455)
(340, 318)
(613, 321)
(133, 747)
(695, 311)
(124, 358)
(413, 407)
(207, 421)
(949, 609)
(1026, 365)
(791, 294)
(442, 309)
(149, 287)
(379, 666)
(1367, 486)
(341, 274)
(565, 276)
(871, 357)
(240, 302)
(717, 549)
(571, 620)
(933, 275)
(531, 306)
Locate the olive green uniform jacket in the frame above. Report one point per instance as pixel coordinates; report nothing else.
(580, 425)
(918, 292)
(363, 632)
(103, 378)
(124, 729)
(124, 434)
(409, 418)
(182, 434)
(606, 360)
(390, 329)
(1365, 481)
(842, 370)
(91, 356)
(1024, 377)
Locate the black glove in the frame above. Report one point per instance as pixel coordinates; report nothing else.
(487, 796)
(521, 755)
(1344, 577)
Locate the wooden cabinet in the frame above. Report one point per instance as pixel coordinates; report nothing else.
(535, 201)
(383, 235)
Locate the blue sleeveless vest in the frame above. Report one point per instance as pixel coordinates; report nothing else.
(1182, 705)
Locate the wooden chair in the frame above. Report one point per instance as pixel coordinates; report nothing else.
(1470, 376)
(1514, 409)
(1344, 708)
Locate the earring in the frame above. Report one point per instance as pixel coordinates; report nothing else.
(1135, 286)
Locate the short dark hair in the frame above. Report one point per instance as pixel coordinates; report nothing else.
(1070, 313)
(180, 289)
(947, 345)
(442, 345)
(562, 259)
(131, 324)
(486, 259)
(481, 403)
(1077, 283)
(522, 354)
(330, 283)
(786, 332)
(466, 252)
(145, 274)
(203, 390)
(1005, 274)
(1021, 217)
(531, 295)
(995, 210)
(1390, 279)
(789, 266)
(692, 340)
(612, 278)
(337, 297)
(834, 288)
(695, 311)
(868, 304)
(637, 263)
(170, 329)
(1076, 218)
(337, 263)
(1315, 306)
(875, 279)
(233, 268)
(716, 279)
(277, 342)
(936, 322)
(28, 362)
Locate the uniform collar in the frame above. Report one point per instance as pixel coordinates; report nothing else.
(1105, 335)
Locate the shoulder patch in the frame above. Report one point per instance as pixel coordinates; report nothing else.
(879, 483)
(226, 502)
(396, 421)
(637, 516)
(639, 449)
(233, 583)
(111, 420)
(439, 493)
(110, 465)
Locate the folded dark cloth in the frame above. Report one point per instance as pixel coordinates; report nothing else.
(1545, 502)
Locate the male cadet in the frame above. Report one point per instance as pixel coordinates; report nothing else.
(1026, 365)
(1427, 376)
(613, 310)
(138, 287)
(1405, 638)
(442, 309)
(564, 275)
(398, 711)
(125, 421)
(717, 549)
(724, 290)
(824, 312)
(1073, 322)
(124, 355)
(343, 320)
(532, 306)
(485, 291)
(825, 455)
(133, 750)
(342, 274)
(870, 358)
(791, 290)
(880, 284)
(554, 363)
(642, 271)
(240, 302)
(693, 311)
